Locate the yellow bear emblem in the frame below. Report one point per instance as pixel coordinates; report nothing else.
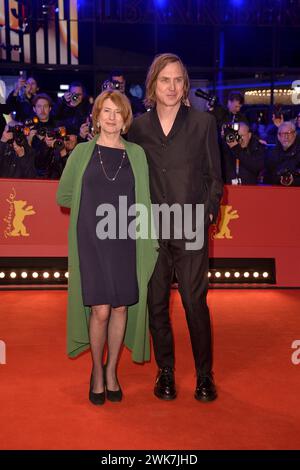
(227, 215)
(20, 213)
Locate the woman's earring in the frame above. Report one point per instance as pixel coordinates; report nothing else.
(98, 124)
(123, 129)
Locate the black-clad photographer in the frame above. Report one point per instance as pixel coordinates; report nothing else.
(243, 155)
(21, 98)
(283, 164)
(230, 114)
(16, 156)
(73, 108)
(61, 152)
(117, 81)
(41, 133)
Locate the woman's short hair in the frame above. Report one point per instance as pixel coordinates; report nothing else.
(158, 64)
(120, 100)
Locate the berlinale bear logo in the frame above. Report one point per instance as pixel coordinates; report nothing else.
(223, 231)
(18, 210)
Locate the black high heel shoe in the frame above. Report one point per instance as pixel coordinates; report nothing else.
(96, 398)
(112, 395)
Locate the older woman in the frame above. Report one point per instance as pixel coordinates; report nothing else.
(107, 272)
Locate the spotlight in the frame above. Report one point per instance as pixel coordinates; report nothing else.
(66, 274)
(209, 274)
(236, 274)
(13, 275)
(35, 275)
(227, 274)
(24, 275)
(46, 275)
(255, 274)
(265, 274)
(56, 275)
(218, 274)
(246, 274)
(2, 275)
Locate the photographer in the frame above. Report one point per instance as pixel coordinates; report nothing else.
(297, 123)
(283, 164)
(230, 114)
(243, 155)
(42, 105)
(20, 99)
(86, 131)
(60, 155)
(73, 108)
(117, 81)
(118, 76)
(40, 134)
(271, 131)
(4, 109)
(16, 156)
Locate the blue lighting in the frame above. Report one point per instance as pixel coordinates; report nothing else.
(237, 3)
(161, 3)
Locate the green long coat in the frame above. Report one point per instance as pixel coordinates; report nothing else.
(69, 195)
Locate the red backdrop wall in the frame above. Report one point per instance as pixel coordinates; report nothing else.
(255, 222)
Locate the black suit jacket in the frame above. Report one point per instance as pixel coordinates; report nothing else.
(184, 166)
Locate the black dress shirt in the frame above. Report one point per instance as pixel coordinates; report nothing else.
(184, 166)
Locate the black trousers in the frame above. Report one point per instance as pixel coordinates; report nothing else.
(191, 269)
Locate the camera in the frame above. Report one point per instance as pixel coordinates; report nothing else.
(59, 134)
(90, 124)
(31, 122)
(111, 85)
(74, 97)
(42, 131)
(20, 132)
(261, 117)
(211, 99)
(231, 132)
(286, 176)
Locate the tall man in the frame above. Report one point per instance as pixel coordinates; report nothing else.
(184, 164)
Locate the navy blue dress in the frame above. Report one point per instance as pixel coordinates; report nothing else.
(107, 267)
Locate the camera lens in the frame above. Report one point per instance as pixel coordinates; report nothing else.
(42, 131)
(59, 144)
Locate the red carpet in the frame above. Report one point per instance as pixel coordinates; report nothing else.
(44, 395)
